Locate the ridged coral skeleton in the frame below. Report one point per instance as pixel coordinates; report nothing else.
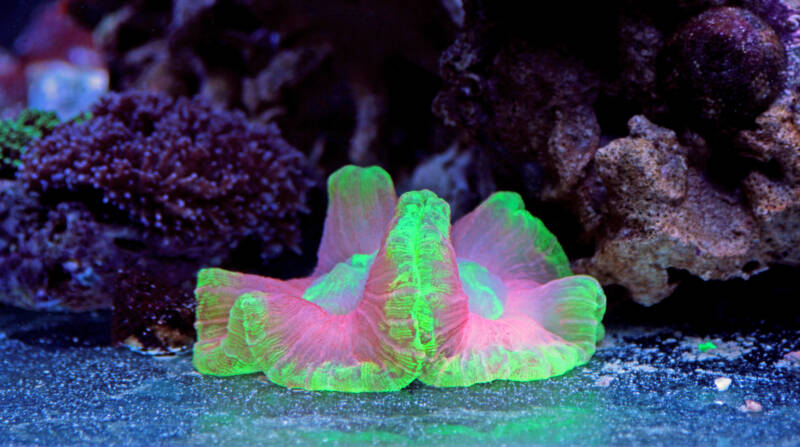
(394, 299)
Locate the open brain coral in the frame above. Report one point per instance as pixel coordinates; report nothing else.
(361, 321)
(393, 298)
(185, 171)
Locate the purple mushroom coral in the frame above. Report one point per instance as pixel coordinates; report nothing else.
(393, 298)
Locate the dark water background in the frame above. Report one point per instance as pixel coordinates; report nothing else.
(14, 15)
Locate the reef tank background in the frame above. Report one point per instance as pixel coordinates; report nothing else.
(145, 140)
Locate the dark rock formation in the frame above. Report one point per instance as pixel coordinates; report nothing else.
(346, 82)
(150, 315)
(702, 184)
(654, 138)
(724, 67)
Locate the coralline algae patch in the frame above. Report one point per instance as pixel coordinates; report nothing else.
(396, 296)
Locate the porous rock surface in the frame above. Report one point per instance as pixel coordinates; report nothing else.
(661, 215)
(665, 213)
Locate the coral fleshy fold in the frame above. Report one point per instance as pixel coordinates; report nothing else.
(361, 204)
(247, 323)
(505, 238)
(518, 315)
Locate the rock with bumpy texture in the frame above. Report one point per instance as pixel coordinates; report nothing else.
(724, 67)
(707, 199)
(774, 198)
(664, 216)
(62, 257)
